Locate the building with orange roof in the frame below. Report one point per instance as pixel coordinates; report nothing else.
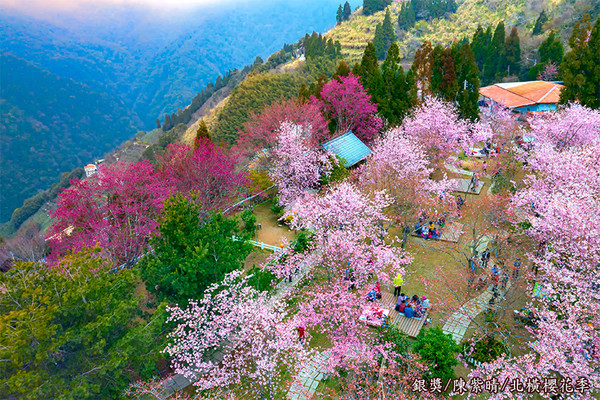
(523, 97)
(90, 170)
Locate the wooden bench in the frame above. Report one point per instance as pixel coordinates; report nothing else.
(410, 326)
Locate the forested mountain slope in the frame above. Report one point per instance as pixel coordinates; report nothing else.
(562, 15)
(49, 125)
(137, 64)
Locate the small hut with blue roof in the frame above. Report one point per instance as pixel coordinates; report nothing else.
(348, 147)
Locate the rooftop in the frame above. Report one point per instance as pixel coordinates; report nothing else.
(521, 94)
(348, 147)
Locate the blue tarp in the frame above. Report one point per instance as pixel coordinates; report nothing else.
(348, 147)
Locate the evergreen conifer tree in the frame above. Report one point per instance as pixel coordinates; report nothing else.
(580, 68)
(449, 84)
(347, 11)
(539, 23)
(342, 70)
(437, 70)
(406, 17)
(304, 93)
(551, 49)
(202, 132)
(468, 83)
(512, 55)
(422, 68)
(494, 62)
(372, 79)
(368, 64)
(479, 46)
(321, 81)
(396, 88)
(389, 36)
(379, 42)
(357, 70)
(339, 17)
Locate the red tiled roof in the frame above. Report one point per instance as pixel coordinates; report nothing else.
(514, 95)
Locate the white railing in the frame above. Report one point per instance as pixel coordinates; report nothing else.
(262, 245)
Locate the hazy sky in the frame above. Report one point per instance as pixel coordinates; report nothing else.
(60, 5)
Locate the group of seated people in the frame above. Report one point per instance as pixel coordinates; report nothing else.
(412, 306)
(375, 293)
(428, 232)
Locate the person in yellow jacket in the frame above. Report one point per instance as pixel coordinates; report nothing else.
(398, 281)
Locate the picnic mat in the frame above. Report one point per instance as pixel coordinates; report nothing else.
(463, 184)
(450, 232)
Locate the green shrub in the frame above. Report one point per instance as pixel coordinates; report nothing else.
(486, 350)
(338, 173)
(392, 334)
(276, 208)
(300, 245)
(261, 280)
(439, 350)
(249, 220)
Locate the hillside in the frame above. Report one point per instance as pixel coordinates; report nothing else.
(137, 64)
(50, 125)
(562, 15)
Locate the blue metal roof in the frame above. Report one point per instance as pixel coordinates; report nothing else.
(348, 147)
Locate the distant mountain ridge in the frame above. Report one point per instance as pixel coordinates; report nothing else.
(127, 67)
(50, 124)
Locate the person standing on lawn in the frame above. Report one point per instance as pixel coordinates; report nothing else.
(398, 281)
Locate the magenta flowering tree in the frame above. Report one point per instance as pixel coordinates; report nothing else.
(560, 204)
(296, 167)
(549, 72)
(262, 130)
(236, 340)
(117, 208)
(346, 103)
(205, 170)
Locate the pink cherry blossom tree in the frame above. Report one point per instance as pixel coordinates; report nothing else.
(206, 170)
(236, 340)
(399, 165)
(436, 125)
(346, 103)
(117, 208)
(561, 205)
(297, 167)
(347, 257)
(573, 125)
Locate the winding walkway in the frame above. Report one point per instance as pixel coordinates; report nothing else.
(307, 380)
(459, 321)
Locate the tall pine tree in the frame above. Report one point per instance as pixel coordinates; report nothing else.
(379, 42)
(339, 17)
(449, 84)
(422, 68)
(494, 62)
(347, 11)
(371, 78)
(512, 52)
(201, 133)
(580, 68)
(406, 17)
(397, 90)
(389, 35)
(539, 23)
(468, 83)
